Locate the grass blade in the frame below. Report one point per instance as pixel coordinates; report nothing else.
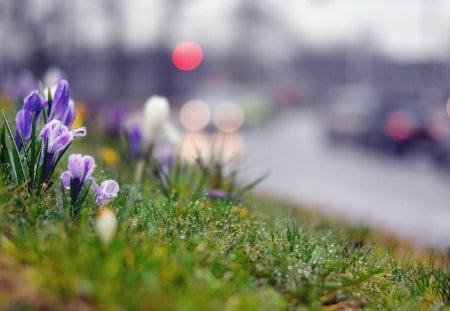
(252, 184)
(15, 152)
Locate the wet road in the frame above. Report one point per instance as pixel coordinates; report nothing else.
(407, 197)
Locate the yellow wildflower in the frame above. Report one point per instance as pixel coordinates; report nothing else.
(109, 155)
(80, 116)
(242, 212)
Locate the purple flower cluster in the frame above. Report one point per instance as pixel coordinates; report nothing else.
(79, 172)
(53, 137)
(61, 108)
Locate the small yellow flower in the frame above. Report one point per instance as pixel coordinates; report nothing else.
(80, 116)
(109, 155)
(242, 212)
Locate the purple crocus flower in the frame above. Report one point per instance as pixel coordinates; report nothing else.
(106, 192)
(56, 137)
(166, 158)
(30, 112)
(62, 108)
(79, 170)
(115, 119)
(135, 140)
(217, 194)
(33, 102)
(60, 101)
(70, 114)
(24, 121)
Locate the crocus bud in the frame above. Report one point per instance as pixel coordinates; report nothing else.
(156, 111)
(156, 114)
(60, 101)
(106, 225)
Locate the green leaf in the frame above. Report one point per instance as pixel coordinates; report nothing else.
(251, 185)
(15, 153)
(5, 159)
(34, 158)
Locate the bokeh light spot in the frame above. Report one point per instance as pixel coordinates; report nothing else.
(195, 145)
(187, 55)
(228, 117)
(448, 106)
(195, 115)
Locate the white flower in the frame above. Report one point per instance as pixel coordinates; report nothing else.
(156, 121)
(106, 225)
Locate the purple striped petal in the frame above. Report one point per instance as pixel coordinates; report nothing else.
(70, 114)
(79, 132)
(80, 166)
(60, 143)
(24, 121)
(60, 101)
(33, 102)
(66, 176)
(107, 191)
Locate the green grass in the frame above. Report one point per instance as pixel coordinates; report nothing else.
(200, 254)
(177, 249)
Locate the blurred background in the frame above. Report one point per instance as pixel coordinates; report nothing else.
(344, 103)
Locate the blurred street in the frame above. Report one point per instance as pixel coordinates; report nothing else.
(408, 197)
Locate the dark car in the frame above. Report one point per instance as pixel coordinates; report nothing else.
(349, 113)
(405, 124)
(398, 125)
(395, 123)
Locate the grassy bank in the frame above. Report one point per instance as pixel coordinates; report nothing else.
(201, 253)
(178, 235)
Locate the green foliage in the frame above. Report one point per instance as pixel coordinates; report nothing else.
(195, 254)
(178, 248)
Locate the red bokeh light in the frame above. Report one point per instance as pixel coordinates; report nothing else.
(187, 55)
(399, 126)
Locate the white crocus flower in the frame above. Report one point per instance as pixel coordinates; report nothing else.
(156, 121)
(106, 225)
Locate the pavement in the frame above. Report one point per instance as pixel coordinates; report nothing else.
(407, 197)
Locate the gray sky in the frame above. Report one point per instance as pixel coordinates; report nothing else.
(404, 29)
(400, 28)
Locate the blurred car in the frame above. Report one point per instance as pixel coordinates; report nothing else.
(349, 113)
(438, 125)
(394, 123)
(399, 125)
(407, 125)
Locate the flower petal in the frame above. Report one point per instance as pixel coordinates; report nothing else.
(33, 102)
(107, 191)
(24, 121)
(69, 116)
(80, 166)
(60, 101)
(66, 176)
(79, 132)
